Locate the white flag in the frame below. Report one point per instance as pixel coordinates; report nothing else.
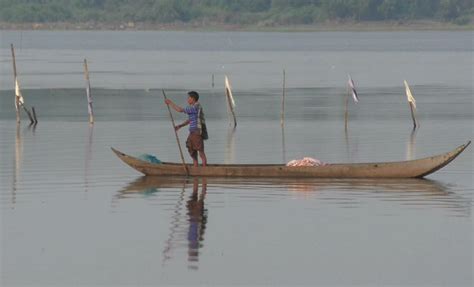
(18, 96)
(229, 92)
(353, 90)
(89, 100)
(410, 97)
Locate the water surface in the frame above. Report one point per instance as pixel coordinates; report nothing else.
(73, 214)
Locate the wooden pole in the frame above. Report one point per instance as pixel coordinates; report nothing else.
(346, 113)
(346, 138)
(230, 106)
(412, 109)
(177, 138)
(18, 103)
(283, 145)
(32, 121)
(229, 101)
(88, 93)
(14, 60)
(282, 117)
(212, 83)
(230, 147)
(34, 115)
(410, 154)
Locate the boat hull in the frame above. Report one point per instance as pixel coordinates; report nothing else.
(403, 169)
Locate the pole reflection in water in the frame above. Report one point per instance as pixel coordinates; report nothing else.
(18, 160)
(176, 224)
(189, 218)
(17, 163)
(88, 156)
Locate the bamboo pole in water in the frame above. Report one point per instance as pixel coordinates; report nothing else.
(411, 103)
(34, 115)
(282, 116)
(17, 101)
(32, 121)
(176, 134)
(18, 98)
(88, 93)
(346, 112)
(413, 117)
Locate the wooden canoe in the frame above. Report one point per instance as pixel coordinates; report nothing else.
(402, 169)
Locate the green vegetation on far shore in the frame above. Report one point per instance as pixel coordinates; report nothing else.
(237, 15)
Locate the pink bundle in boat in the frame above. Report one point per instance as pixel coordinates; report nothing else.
(307, 161)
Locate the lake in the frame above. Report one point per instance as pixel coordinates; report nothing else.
(73, 214)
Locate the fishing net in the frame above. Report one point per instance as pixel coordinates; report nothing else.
(149, 158)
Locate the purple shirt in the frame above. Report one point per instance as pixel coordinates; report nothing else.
(193, 115)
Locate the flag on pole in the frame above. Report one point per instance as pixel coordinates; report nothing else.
(353, 90)
(88, 93)
(18, 97)
(410, 97)
(89, 100)
(229, 92)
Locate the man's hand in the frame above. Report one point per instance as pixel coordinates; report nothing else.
(176, 128)
(173, 105)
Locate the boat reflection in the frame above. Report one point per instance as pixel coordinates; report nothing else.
(144, 183)
(413, 192)
(431, 192)
(190, 215)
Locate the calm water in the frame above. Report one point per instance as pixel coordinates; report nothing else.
(73, 215)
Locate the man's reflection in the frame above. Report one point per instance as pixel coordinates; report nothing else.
(197, 221)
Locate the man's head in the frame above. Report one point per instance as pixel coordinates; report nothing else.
(193, 97)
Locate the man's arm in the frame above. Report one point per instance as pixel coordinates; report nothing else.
(174, 106)
(185, 123)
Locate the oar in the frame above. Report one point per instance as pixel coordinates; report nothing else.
(177, 138)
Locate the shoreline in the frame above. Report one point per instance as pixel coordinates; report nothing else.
(383, 26)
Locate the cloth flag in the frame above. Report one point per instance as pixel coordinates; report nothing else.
(410, 97)
(89, 100)
(229, 92)
(353, 90)
(18, 97)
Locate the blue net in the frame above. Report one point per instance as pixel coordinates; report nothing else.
(149, 158)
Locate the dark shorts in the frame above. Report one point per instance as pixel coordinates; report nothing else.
(195, 144)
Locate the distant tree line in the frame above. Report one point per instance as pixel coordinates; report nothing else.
(265, 12)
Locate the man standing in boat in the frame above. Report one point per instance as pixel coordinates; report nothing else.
(197, 126)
